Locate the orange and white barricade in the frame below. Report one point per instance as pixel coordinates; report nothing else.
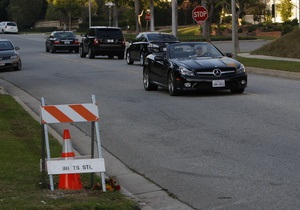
(71, 113)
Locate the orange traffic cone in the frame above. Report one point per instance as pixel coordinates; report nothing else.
(68, 181)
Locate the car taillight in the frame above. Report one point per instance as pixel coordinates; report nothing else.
(123, 42)
(96, 41)
(56, 42)
(76, 42)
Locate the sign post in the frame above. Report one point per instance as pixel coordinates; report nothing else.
(200, 14)
(147, 18)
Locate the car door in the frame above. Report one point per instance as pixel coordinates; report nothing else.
(85, 41)
(136, 47)
(159, 68)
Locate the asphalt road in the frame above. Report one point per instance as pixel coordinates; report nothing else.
(212, 150)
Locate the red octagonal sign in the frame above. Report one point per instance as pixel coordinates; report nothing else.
(200, 14)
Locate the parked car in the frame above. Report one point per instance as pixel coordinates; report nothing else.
(62, 40)
(9, 55)
(102, 40)
(145, 43)
(8, 27)
(179, 68)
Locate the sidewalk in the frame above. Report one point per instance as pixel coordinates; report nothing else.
(247, 55)
(271, 72)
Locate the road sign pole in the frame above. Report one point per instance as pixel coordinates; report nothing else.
(204, 24)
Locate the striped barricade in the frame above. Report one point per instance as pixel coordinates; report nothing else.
(71, 113)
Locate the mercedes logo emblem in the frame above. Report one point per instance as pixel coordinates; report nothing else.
(217, 72)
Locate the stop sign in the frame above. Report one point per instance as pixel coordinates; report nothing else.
(200, 14)
(147, 17)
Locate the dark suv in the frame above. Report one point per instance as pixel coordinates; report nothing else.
(102, 40)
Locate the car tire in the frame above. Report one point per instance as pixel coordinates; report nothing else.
(142, 59)
(76, 51)
(148, 85)
(81, 53)
(2, 31)
(237, 90)
(128, 58)
(53, 49)
(18, 68)
(91, 54)
(172, 87)
(47, 49)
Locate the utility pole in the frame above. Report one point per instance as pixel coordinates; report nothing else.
(174, 17)
(234, 29)
(151, 15)
(90, 18)
(204, 26)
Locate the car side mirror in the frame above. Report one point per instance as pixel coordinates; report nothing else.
(230, 55)
(17, 48)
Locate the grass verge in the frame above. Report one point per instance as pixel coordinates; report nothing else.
(271, 64)
(20, 177)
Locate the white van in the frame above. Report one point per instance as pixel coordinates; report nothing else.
(8, 27)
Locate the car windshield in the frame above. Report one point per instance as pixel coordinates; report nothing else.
(64, 35)
(6, 45)
(162, 38)
(109, 33)
(193, 50)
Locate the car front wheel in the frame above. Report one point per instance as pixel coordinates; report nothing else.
(128, 58)
(18, 68)
(81, 53)
(148, 85)
(142, 59)
(53, 50)
(91, 52)
(172, 87)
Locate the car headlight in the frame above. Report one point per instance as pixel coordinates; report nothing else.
(241, 69)
(14, 56)
(185, 71)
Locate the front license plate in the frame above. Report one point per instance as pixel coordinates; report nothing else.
(218, 83)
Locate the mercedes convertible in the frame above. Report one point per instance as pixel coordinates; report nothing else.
(193, 66)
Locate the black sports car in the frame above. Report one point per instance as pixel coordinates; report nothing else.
(193, 65)
(145, 43)
(62, 40)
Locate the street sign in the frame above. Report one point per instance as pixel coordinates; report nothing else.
(200, 14)
(147, 17)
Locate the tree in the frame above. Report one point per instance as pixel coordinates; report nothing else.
(25, 12)
(3, 6)
(285, 10)
(69, 9)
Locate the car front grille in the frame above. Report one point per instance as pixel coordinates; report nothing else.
(5, 58)
(216, 73)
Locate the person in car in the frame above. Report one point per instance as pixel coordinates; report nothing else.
(199, 51)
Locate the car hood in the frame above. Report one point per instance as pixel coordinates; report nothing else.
(7, 53)
(202, 64)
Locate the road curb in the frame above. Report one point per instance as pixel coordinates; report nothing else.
(275, 73)
(146, 194)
